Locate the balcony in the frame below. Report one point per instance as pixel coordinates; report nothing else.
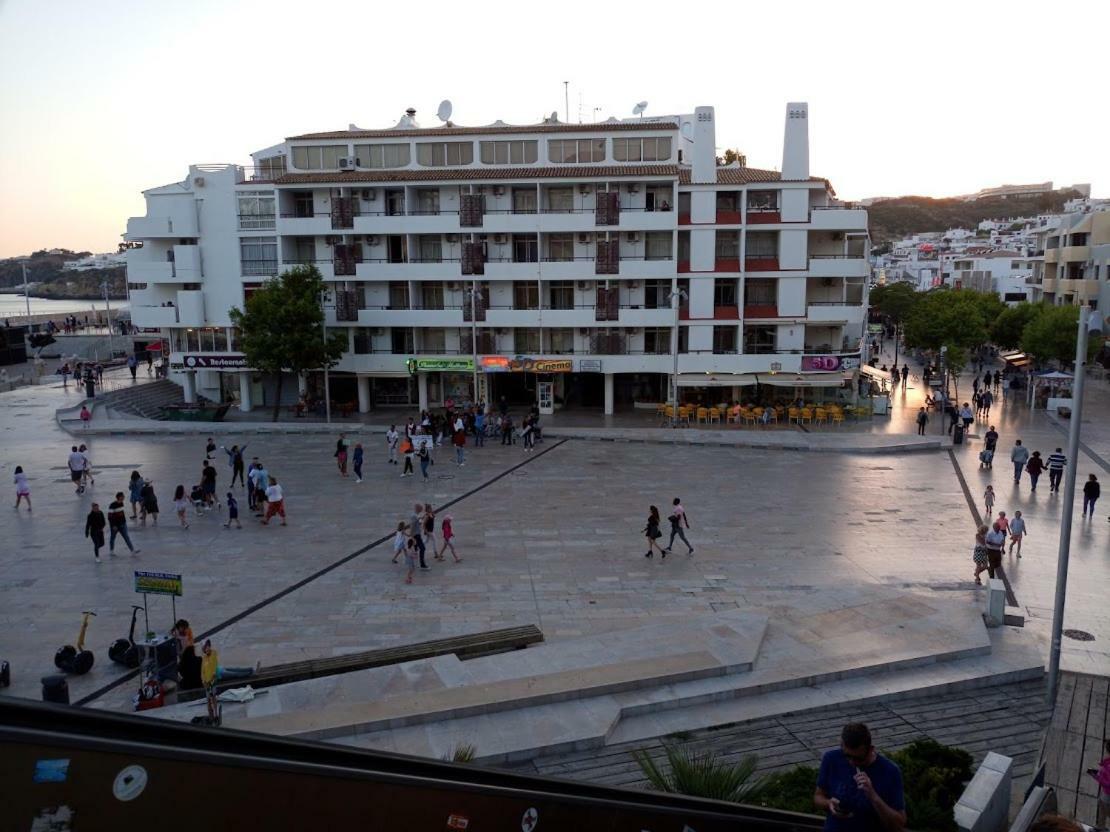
(838, 218)
(383, 316)
(580, 268)
(838, 265)
(190, 307)
(761, 263)
(642, 316)
(415, 222)
(1049, 284)
(639, 219)
(834, 312)
(1070, 254)
(382, 269)
(305, 225)
(153, 317)
(651, 267)
(727, 264)
(1052, 255)
(760, 216)
(761, 310)
(145, 228)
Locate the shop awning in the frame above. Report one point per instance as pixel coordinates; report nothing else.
(1016, 359)
(823, 380)
(715, 379)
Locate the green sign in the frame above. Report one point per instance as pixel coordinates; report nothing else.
(448, 365)
(158, 583)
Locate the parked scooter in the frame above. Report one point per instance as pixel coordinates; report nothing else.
(76, 659)
(124, 650)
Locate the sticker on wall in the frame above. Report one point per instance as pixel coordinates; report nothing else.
(51, 771)
(529, 820)
(54, 819)
(129, 783)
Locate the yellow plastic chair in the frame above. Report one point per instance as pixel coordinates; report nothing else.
(837, 419)
(820, 415)
(734, 414)
(703, 414)
(793, 415)
(684, 414)
(714, 414)
(748, 416)
(772, 415)
(807, 415)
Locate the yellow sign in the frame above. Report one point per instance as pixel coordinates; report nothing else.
(158, 583)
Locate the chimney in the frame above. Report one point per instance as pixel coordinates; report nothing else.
(795, 144)
(705, 146)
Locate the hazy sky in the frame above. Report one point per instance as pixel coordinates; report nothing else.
(101, 99)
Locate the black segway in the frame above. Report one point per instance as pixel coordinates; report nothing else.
(76, 659)
(124, 650)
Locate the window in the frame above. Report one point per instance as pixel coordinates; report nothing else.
(657, 341)
(256, 211)
(430, 247)
(641, 150)
(526, 295)
(657, 294)
(1016, 264)
(321, 157)
(657, 245)
(724, 292)
(524, 200)
(728, 201)
(560, 247)
(526, 340)
(728, 245)
(724, 340)
(562, 341)
(271, 168)
(444, 154)
(398, 294)
(853, 291)
(304, 250)
(763, 200)
(395, 202)
(560, 200)
(561, 294)
(258, 255)
(564, 151)
(431, 295)
(403, 342)
(521, 152)
(525, 248)
(302, 204)
(1079, 239)
(427, 201)
(762, 244)
(364, 341)
(759, 339)
(435, 340)
(761, 292)
(383, 155)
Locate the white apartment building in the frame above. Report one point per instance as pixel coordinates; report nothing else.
(558, 263)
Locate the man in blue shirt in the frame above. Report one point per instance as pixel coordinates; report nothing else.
(858, 789)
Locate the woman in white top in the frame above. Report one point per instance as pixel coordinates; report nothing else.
(22, 489)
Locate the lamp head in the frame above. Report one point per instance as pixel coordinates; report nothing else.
(1094, 322)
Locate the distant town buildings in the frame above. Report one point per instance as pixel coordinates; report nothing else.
(96, 261)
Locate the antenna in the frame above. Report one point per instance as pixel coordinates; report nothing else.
(566, 100)
(444, 111)
(638, 110)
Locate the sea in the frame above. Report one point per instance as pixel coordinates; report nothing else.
(13, 306)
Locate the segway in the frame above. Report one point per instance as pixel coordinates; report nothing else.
(124, 650)
(76, 659)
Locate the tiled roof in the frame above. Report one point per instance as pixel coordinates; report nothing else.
(497, 129)
(471, 173)
(736, 176)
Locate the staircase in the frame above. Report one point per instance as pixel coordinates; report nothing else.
(145, 400)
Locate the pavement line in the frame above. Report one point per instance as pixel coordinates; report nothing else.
(1011, 599)
(1084, 446)
(319, 573)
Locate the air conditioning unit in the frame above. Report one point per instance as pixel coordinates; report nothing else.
(198, 181)
(454, 286)
(498, 190)
(452, 238)
(499, 239)
(632, 237)
(584, 189)
(633, 189)
(584, 239)
(368, 194)
(371, 240)
(583, 285)
(347, 162)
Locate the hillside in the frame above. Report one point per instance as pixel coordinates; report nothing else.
(894, 219)
(45, 271)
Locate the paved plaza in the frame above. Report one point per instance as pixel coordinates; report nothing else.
(551, 538)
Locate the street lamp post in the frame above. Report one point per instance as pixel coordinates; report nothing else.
(327, 381)
(676, 298)
(1088, 322)
(473, 292)
(108, 313)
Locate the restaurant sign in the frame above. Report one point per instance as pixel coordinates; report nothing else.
(208, 361)
(446, 365)
(829, 363)
(589, 365)
(520, 364)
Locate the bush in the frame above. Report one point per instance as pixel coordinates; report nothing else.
(700, 774)
(791, 790)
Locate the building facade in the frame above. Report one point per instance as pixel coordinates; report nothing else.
(569, 264)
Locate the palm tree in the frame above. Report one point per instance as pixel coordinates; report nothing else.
(701, 774)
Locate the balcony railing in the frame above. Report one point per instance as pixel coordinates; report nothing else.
(761, 263)
(761, 310)
(763, 216)
(259, 268)
(257, 222)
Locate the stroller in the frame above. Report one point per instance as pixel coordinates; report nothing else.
(986, 457)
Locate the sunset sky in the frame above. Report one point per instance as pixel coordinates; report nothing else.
(99, 100)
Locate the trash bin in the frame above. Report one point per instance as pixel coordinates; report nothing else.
(55, 689)
(958, 434)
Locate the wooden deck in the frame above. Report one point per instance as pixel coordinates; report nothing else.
(1008, 719)
(1075, 742)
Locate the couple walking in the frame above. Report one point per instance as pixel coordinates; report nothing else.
(679, 523)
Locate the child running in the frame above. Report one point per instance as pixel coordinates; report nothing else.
(22, 489)
(448, 539)
(181, 504)
(410, 559)
(232, 512)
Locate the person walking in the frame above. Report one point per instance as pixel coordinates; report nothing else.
(988, 501)
(506, 430)
(407, 450)
(1091, 490)
(117, 525)
(449, 538)
(527, 433)
(341, 454)
(135, 493)
(275, 502)
(150, 504)
(967, 416)
(425, 460)
(86, 417)
(235, 460)
(22, 488)
(986, 399)
(94, 529)
(208, 485)
(1056, 463)
(414, 528)
(1019, 456)
(391, 440)
(458, 439)
(181, 505)
(1003, 523)
(678, 520)
(399, 538)
(922, 420)
(411, 550)
(480, 428)
(855, 781)
(995, 539)
(1034, 467)
(86, 467)
(975, 386)
(209, 448)
(905, 375)
(652, 533)
(997, 379)
(261, 482)
(132, 365)
(428, 529)
(232, 512)
(979, 554)
(1018, 530)
(356, 461)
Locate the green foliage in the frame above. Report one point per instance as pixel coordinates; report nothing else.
(934, 776)
(1051, 334)
(951, 318)
(700, 774)
(282, 327)
(464, 752)
(732, 155)
(1007, 329)
(791, 790)
(895, 300)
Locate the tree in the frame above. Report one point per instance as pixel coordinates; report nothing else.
(948, 318)
(894, 300)
(282, 327)
(1051, 335)
(732, 155)
(701, 774)
(1007, 329)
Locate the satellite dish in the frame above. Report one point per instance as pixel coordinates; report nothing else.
(638, 110)
(444, 111)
